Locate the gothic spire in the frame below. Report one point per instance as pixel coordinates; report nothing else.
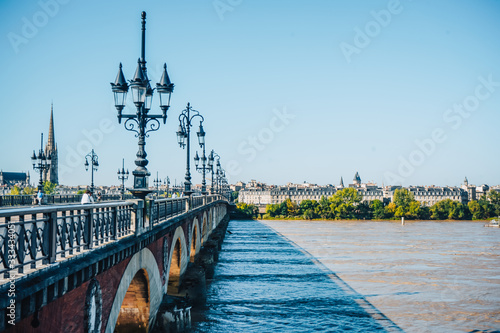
(51, 143)
(341, 182)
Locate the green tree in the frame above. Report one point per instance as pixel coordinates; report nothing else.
(234, 195)
(323, 208)
(402, 199)
(344, 203)
(487, 207)
(424, 213)
(246, 210)
(378, 210)
(308, 208)
(441, 209)
(273, 210)
(494, 197)
(363, 211)
(28, 190)
(476, 210)
(15, 190)
(413, 212)
(292, 209)
(48, 187)
(308, 214)
(390, 210)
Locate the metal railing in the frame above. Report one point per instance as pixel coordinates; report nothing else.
(20, 200)
(31, 237)
(40, 236)
(162, 209)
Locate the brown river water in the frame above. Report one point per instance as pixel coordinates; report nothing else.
(423, 276)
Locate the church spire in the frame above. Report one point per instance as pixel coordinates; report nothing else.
(51, 143)
(51, 150)
(341, 182)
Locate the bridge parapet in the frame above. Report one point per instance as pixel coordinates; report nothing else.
(35, 237)
(31, 238)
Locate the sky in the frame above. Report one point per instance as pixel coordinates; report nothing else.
(404, 92)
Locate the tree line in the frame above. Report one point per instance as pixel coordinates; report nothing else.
(48, 188)
(347, 204)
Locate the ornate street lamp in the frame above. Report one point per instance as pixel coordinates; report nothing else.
(183, 136)
(218, 177)
(211, 167)
(142, 122)
(41, 163)
(203, 168)
(157, 182)
(123, 176)
(167, 182)
(94, 163)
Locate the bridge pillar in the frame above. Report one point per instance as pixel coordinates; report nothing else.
(139, 216)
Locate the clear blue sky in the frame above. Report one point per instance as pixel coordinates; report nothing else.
(290, 90)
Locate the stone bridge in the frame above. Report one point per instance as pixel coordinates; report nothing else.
(101, 267)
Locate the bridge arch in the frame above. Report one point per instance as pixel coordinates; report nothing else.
(177, 262)
(195, 240)
(142, 273)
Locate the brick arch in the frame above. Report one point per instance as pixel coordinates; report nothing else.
(134, 312)
(143, 260)
(194, 240)
(178, 247)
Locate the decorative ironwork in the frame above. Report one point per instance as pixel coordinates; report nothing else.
(30, 239)
(183, 137)
(94, 165)
(41, 163)
(142, 122)
(123, 176)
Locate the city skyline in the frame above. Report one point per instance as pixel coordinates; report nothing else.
(403, 92)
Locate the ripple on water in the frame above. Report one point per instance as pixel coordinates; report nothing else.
(264, 283)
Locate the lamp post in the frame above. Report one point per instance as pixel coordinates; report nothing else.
(203, 168)
(41, 163)
(142, 122)
(94, 164)
(211, 159)
(183, 135)
(167, 182)
(123, 176)
(157, 182)
(218, 178)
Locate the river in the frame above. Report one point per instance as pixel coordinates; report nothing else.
(324, 276)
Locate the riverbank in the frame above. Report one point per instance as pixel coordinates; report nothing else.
(373, 220)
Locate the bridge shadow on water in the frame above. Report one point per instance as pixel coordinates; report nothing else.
(265, 283)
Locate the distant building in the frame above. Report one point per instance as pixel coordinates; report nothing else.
(237, 187)
(10, 179)
(429, 195)
(356, 181)
(279, 194)
(260, 194)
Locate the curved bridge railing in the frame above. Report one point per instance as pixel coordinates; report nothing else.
(33, 237)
